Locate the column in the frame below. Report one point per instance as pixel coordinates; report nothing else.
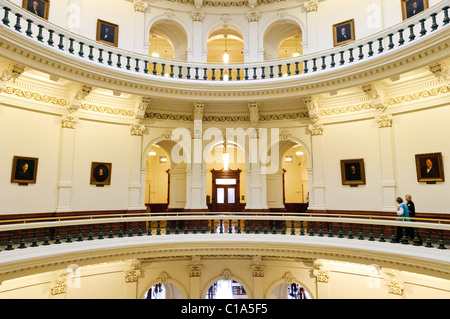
(252, 50)
(387, 162)
(66, 164)
(140, 7)
(316, 175)
(311, 7)
(258, 278)
(322, 277)
(131, 279)
(135, 202)
(197, 38)
(195, 273)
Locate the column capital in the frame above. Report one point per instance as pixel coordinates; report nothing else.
(311, 5)
(316, 129)
(253, 16)
(385, 120)
(197, 16)
(137, 130)
(140, 6)
(69, 122)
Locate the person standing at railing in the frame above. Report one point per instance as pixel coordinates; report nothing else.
(412, 213)
(403, 212)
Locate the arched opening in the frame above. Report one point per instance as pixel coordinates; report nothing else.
(290, 291)
(226, 289)
(157, 180)
(225, 178)
(163, 291)
(167, 40)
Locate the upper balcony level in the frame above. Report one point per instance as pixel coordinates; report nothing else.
(44, 46)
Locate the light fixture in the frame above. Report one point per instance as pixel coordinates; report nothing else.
(288, 159)
(226, 156)
(152, 153)
(299, 153)
(225, 77)
(296, 53)
(155, 54)
(163, 159)
(226, 56)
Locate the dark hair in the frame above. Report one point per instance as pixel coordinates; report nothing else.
(399, 200)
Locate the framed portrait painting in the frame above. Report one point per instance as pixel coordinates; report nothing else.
(344, 32)
(107, 32)
(101, 174)
(353, 172)
(430, 167)
(24, 170)
(37, 7)
(412, 7)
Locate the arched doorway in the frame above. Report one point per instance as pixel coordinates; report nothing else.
(282, 39)
(157, 180)
(168, 39)
(163, 291)
(290, 291)
(226, 289)
(226, 178)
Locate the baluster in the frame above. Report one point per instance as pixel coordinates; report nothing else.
(195, 227)
(145, 67)
(71, 50)
(80, 234)
(320, 229)
(271, 71)
(401, 40)
(188, 76)
(5, 19)
(280, 74)
(40, 37)
(47, 237)
(263, 75)
(423, 31)
(428, 239)
(412, 36)
(203, 226)
(371, 235)
(256, 227)
(297, 71)
(391, 41)
(205, 74)
(221, 226)
(340, 233)
(382, 240)
(404, 239)
(22, 240)
(314, 65)
(446, 17)
(68, 238)
(58, 236)
(91, 53)
(283, 227)
(351, 58)
(441, 240)
(50, 41)
(230, 77)
(380, 45)
(342, 61)
(238, 229)
(434, 25)
(221, 74)
(61, 42)
(119, 62)
(90, 237)
(110, 234)
(120, 230)
(361, 54)
(238, 74)
(305, 67)
(130, 229)
(393, 238)
(29, 31)
(139, 228)
(274, 228)
(137, 69)
(100, 232)
(213, 75)
(370, 53)
(10, 241)
(34, 241)
(100, 55)
(324, 66)
(350, 232)
(128, 66)
(246, 73)
(177, 229)
(230, 228)
(416, 239)
(110, 62)
(265, 230)
(254, 73)
(212, 227)
(247, 227)
(186, 230)
(361, 235)
(154, 68)
(149, 228)
(17, 26)
(158, 228)
(302, 233)
(292, 228)
(80, 52)
(180, 72)
(196, 74)
(163, 69)
(330, 230)
(310, 229)
(333, 63)
(167, 228)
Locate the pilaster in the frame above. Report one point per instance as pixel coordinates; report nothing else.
(140, 7)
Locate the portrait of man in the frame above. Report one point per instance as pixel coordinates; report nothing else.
(24, 170)
(344, 32)
(101, 174)
(37, 7)
(353, 172)
(412, 7)
(430, 167)
(107, 32)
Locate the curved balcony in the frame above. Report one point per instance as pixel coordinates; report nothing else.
(37, 43)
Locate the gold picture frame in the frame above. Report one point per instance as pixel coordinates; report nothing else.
(37, 7)
(353, 172)
(430, 168)
(344, 32)
(24, 170)
(412, 7)
(101, 173)
(107, 33)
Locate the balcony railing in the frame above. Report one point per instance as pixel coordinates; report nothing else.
(22, 234)
(49, 36)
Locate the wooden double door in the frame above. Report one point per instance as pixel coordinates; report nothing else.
(225, 190)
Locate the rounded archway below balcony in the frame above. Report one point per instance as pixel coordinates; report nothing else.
(167, 39)
(225, 39)
(283, 39)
